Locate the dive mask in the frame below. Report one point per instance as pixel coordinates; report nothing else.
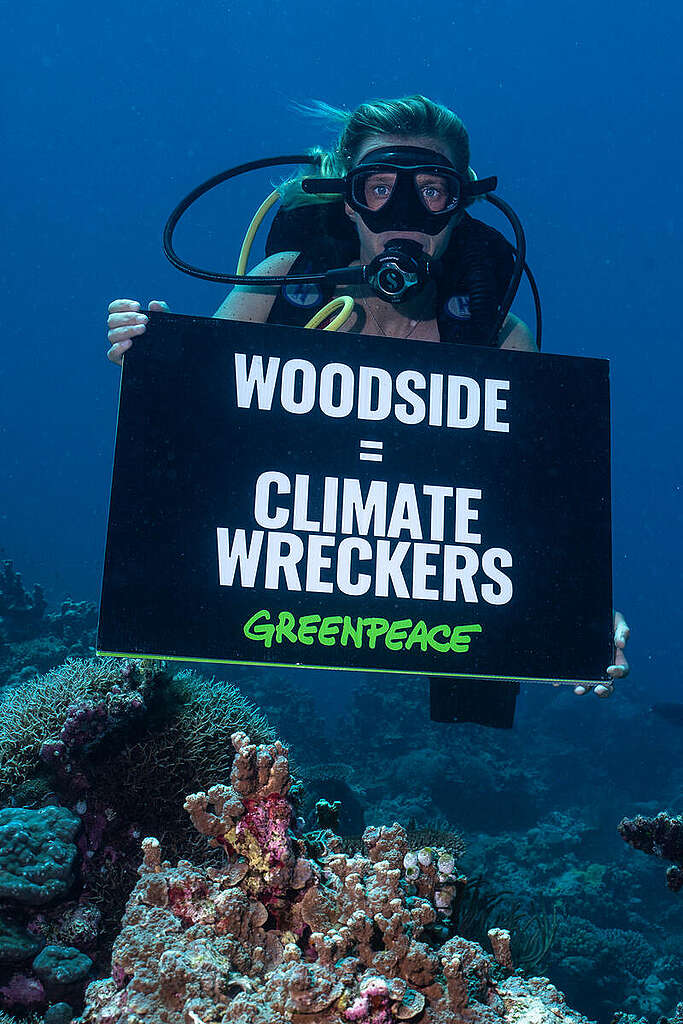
(402, 188)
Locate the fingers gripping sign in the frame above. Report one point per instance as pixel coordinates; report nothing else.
(619, 668)
(125, 322)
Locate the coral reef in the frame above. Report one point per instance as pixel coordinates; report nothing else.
(38, 859)
(120, 743)
(541, 837)
(272, 934)
(53, 722)
(605, 952)
(117, 744)
(446, 784)
(33, 639)
(601, 961)
(20, 611)
(661, 837)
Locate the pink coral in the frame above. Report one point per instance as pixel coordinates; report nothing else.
(271, 935)
(188, 900)
(268, 822)
(372, 1006)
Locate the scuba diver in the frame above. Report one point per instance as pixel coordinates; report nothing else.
(390, 200)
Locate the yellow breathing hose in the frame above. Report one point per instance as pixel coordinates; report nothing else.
(344, 303)
(342, 306)
(252, 229)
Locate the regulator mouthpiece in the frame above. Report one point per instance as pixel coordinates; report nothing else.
(400, 272)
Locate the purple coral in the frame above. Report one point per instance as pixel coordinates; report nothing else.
(88, 721)
(22, 990)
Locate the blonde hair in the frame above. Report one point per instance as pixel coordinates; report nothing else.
(409, 116)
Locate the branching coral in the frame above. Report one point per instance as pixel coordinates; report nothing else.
(183, 743)
(271, 935)
(51, 714)
(124, 736)
(32, 1018)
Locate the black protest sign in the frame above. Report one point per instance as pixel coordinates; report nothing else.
(295, 497)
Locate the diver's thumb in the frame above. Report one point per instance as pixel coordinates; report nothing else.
(159, 304)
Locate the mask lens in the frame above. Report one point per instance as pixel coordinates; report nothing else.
(438, 192)
(374, 189)
(436, 188)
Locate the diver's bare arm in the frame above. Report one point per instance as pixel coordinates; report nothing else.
(253, 304)
(515, 334)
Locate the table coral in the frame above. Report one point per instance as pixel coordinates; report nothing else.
(273, 935)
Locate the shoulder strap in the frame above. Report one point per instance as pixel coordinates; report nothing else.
(295, 304)
(324, 238)
(478, 265)
(316, 227)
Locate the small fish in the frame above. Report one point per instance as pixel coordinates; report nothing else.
(672, 711)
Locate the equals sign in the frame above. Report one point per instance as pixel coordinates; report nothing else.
(375, 454)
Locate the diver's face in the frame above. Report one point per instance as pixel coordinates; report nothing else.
(372, 244)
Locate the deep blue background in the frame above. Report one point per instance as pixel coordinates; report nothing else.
(111, 116)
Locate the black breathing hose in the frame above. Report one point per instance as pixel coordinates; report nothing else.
(200, 190)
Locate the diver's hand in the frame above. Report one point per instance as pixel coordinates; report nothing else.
(126, 322)
(619, 668)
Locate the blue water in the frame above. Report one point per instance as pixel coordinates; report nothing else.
(110, 116)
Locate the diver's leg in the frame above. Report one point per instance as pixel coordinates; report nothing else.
(482, 701)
